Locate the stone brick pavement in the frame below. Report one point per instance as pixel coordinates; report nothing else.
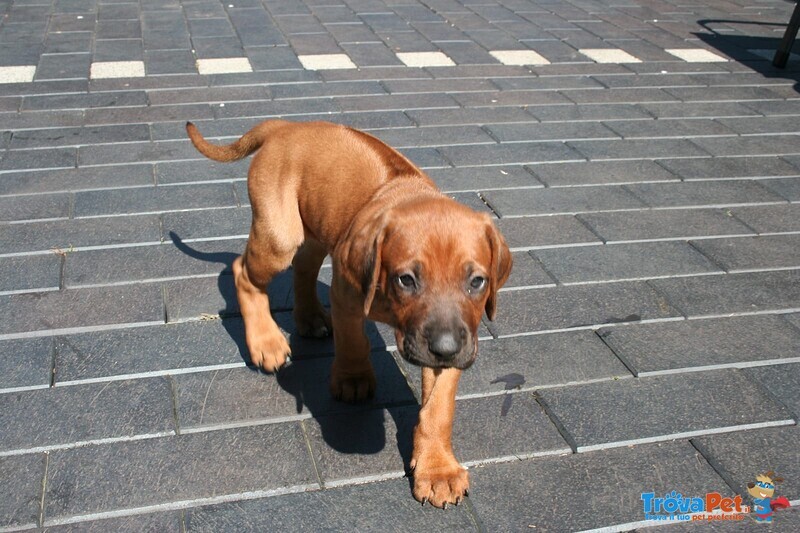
(642, 157)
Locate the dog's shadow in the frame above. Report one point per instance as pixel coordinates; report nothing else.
(347, 429)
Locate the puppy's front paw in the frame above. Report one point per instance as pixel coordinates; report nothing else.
(352, 386)
(439, 480)
(268, 351)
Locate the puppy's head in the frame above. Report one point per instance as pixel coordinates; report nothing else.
(433, 267)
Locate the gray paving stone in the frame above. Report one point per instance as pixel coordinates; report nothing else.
(466, 53)
(425, 158)
(105, 154)
(637, 149)
(668, 79)
(788, 188)
(721, 94)
(588, 112)
(85, 100)
(475, 178)
(225, 222)
(153, 199)
(535, 361)
(783, 381)
(556, 51)
(63, 66)
(624, 261)
(80, 308)
(158, 348)
(119, 49)
(172, 469)
(528, 272)
(272, 58)
(621, 96)
(560, 201)
(362, 442)
(505, 154)
(510, 98)
(208, 94)
(753, 253)
(25, 362)
(773, 107)
(21, 492)
(65, 234)
(81, 413)
(279, 109)
(434, 136)
(434, 117)
(74, 179)
(670, 224)
(729, 167)
(370, 54)
(48, 138)
(148, 263)
(503, 426)
(770, 218)
(560, 230)
(664, 129)
(444, 85)
(38, 159)
(733, 293)
(68, 43)
(600, 172)
(29, 273)
(34, 119)
(345, 88)
(697, 110)
(168, 522)
(702, 194)
(190, 171)
(660, 407)
(243, 396)
(550, 132)
(578, 307)
(149, 114)
(734, 341)
(395, 102)
(519, 83)
(747, 145)
(733, 454)
(385, 502)
(760, 125)
(497, 490)
(189, 299)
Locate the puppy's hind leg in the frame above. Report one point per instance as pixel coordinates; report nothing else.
(264, 257)
(310, 318)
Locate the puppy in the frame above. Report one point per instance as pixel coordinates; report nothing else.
(403, 254)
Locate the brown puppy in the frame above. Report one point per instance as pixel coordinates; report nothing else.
(403, 254)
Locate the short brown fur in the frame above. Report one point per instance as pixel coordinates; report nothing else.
(318, 188)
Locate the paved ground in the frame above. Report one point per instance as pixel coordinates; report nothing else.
(648, 340)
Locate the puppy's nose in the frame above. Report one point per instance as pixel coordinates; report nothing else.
(444, 345)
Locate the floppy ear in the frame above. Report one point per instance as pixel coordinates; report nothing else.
(360, 258)
(500, 267)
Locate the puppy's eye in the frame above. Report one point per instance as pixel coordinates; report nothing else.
(407, 282)
(477, 283)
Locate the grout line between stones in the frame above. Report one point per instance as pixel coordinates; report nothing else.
(309, 449)
(42, 501)
(715, 465)
(562, 430)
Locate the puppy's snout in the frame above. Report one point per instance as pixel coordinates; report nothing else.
(445, 344)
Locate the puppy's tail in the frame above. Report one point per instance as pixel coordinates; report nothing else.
(246, 145)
